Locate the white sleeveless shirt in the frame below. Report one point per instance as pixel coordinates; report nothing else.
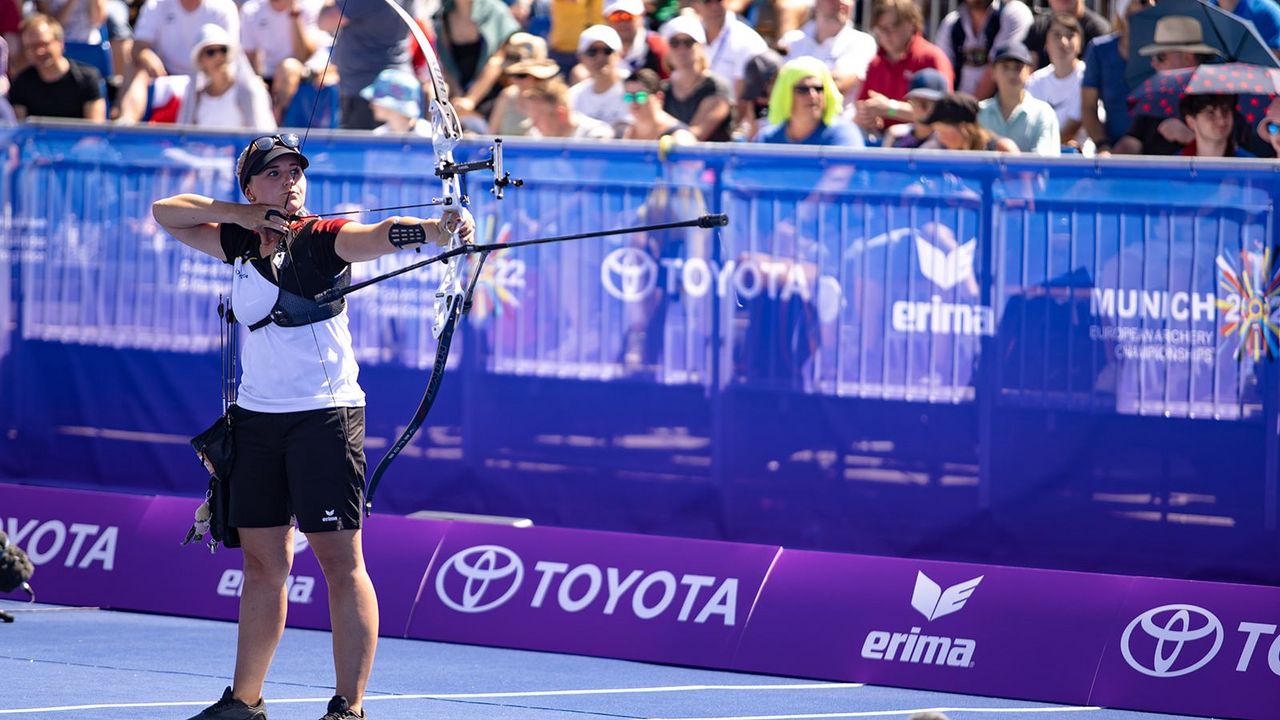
(289, 369)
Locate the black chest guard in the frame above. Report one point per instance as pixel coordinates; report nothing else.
(294, 310)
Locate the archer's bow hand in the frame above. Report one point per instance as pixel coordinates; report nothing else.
(459, 222)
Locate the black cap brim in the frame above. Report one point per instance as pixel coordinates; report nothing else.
(264, 159)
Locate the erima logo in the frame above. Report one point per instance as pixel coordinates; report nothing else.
(946, 270)
(299, 589)
(930, 600)
(329, 516)
(933, 602)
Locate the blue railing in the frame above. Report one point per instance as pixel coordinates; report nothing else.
(969, 356)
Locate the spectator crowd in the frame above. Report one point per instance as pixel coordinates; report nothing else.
(995, 75)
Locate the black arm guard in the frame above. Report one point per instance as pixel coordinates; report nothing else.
(405, 235)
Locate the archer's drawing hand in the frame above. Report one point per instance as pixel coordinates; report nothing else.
(262, 218)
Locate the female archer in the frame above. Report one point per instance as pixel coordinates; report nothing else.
(298, 421)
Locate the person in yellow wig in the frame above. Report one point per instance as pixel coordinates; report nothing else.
(805, 106)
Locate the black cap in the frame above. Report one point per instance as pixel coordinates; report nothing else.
(253, 160)
(758, 73)
(1014, 51)
(954, 108)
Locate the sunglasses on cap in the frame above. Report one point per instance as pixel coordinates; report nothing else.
(620, 16)
(266, 142)
(636, 98)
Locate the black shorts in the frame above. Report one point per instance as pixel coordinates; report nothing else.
(307, 465)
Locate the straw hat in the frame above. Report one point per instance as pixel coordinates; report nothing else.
(1178, 33)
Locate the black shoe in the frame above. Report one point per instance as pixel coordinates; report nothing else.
(340, 709)
(229, 708)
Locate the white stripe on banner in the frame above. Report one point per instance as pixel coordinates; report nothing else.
(891, 713)
(458, 696)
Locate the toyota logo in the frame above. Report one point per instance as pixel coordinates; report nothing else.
(486, 577)
(1173, 627)
(628, 274)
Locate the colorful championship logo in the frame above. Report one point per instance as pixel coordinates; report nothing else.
(497, 280)
(1250, 303)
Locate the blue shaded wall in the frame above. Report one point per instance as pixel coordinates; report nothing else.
(948, 356)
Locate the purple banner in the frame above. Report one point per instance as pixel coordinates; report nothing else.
(1085, 639)
(625, 596)
(122, 551)
(84, 544)
(1199, 648)
(990, 630)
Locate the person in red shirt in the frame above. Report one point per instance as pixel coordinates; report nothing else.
(898, 26)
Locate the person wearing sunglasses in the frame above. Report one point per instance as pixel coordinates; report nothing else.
(693, 94)
(831, 37)
(509, 115)
(1269, 127)
(224, 91)
(804, 108)
(475, 106)
(298, 418)
(599, 95)
(1178, 43)
(641, 47)
(166, 31)
(643, 95)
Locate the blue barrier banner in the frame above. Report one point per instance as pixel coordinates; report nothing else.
(949, 355)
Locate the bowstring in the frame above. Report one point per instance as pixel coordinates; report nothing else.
(315, 105)
(288, 238)
(432, 203)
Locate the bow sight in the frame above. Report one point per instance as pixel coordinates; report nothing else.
(501, 179)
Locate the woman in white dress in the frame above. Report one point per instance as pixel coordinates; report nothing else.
(224, 91)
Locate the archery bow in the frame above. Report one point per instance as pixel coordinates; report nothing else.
(453, 298)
